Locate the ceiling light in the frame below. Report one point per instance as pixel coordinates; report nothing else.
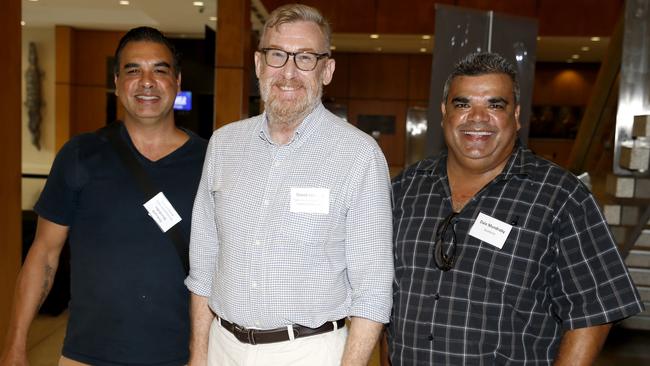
(213, 19)
(198, 3)
(374, 36)
(33, 1)
(584, 48)
(423, 49)
(426, 36)
(569, 61)
(124, 2)
(595, 39)
(539, 38)
(575, 57)
(22, 23)
(378, 49)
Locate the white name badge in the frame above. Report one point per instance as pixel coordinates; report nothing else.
(310, 200)
(490, 230)
(162, 212)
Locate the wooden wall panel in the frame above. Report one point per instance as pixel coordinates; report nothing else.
(90, 53)
(391, 144)
(407, 16)
(339, 86)
(556, 17)
(345, 16)
(63, 82)
(89, 108)
(228, 96)
(578, 17)
(419, 77)
(557, 84)
(10, 157)
(379, 76)
(526, 8)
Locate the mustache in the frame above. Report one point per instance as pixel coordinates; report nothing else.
(288, 83)
(477, 126)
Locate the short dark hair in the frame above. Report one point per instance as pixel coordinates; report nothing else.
(146, 34)
(481, 63)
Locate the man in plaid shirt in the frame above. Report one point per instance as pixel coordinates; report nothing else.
(501, 257)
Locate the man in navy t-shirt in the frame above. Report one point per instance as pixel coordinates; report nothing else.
(128, 303)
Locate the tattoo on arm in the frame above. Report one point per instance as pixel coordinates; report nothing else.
(47, 282)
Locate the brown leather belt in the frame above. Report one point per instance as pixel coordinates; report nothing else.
(262, 336)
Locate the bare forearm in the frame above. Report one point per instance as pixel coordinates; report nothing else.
(201, 317)
(33, 284)
(581, 346)
(361, 341)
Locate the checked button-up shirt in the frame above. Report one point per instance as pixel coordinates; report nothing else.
(558, 268)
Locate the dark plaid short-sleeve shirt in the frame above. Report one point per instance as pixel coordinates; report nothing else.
(558, 269)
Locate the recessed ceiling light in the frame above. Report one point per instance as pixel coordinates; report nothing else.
(595, 39)
(426, 36)
(332, 47)
(575, 57)
(33, 1)
(374, 36)
(539, 38)
(124, 2)
(213, 19)
(584, 48)
(198, 3)
(22, 23)
(569, 61)
(423, 49)
(378, 49)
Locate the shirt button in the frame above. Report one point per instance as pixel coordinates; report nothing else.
(257, 324)
(265, 202)
(257, 242)
(436, 296)
(254, 284)
(277, 163)
(430, 337)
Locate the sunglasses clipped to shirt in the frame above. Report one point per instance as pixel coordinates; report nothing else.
(445, 261)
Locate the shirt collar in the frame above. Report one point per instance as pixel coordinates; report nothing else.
(308, 125)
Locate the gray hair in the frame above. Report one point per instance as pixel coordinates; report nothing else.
(481, 63)
(291, 13)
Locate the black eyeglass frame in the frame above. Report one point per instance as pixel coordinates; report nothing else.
(443, 261)
(319, 56)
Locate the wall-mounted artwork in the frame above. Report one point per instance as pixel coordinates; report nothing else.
(34, 96)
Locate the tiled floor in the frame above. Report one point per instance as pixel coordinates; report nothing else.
(624, 347)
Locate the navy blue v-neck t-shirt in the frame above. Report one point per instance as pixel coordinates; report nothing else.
(128, 301)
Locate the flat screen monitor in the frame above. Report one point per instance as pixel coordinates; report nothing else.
(183, 101)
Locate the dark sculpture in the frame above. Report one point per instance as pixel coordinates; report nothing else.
(34, 97)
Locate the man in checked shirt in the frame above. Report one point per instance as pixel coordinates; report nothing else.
(291, 229)
(501, 257)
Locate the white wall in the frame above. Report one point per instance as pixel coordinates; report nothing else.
(38, 161)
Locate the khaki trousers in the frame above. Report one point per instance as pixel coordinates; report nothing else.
(320, 350)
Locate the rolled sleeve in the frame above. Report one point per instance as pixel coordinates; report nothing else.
(203, 238)
(369, 240)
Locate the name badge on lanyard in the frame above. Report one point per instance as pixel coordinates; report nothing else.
(162, 212)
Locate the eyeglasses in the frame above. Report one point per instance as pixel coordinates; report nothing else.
(443, 261)
(305, 61)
